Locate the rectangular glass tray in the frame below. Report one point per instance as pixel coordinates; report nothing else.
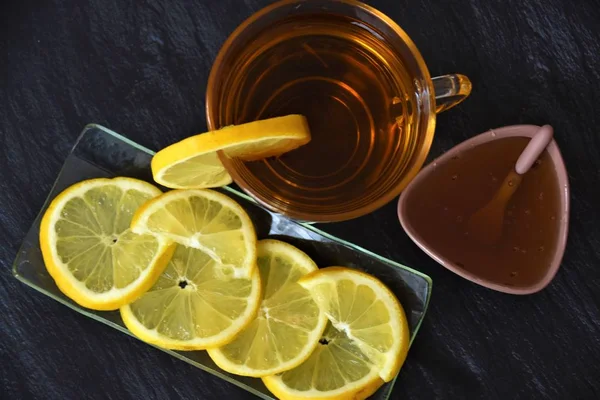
(100, 152)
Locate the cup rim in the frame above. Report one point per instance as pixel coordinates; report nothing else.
(420, 157)
(564, 186)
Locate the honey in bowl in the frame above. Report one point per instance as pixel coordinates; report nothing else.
(436, 207)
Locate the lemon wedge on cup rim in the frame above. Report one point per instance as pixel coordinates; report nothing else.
(89, 250)
(367, 339)
(205, 220)
(193, 163)
(288, 325)
(192, 305)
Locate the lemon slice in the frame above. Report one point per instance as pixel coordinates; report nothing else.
(362, 307)
(365, 345)
(337, 369)
(193, 162)
(289, 323)
(89, 250)
(193, 305)
(205, 220)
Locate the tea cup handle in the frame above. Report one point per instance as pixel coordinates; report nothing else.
(450, 90)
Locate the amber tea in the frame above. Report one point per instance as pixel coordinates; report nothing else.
(350, 87)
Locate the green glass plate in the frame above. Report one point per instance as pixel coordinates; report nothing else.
(100, 152)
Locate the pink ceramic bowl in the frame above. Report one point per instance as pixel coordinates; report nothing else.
(406, 209)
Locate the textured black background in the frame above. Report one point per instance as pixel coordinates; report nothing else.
(140, 68)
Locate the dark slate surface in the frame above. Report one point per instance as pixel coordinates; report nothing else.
(140, 68)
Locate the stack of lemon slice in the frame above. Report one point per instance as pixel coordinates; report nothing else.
(364, 345)
(211, 288)
(289, 323)
(187, 273)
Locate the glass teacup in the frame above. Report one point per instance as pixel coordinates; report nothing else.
(364, 88)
